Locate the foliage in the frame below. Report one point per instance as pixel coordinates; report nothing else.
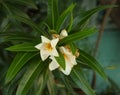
(20, 32)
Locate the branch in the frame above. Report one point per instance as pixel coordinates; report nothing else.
(108, 11)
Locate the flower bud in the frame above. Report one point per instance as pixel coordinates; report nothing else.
(63, 34)
(54, 36)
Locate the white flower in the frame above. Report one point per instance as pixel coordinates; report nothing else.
(47, 47)
(70, 61)
(63, 34)
(53, 65)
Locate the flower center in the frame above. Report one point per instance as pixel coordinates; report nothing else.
(66, 56)
(48, 47)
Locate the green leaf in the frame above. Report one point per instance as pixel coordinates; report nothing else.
(71, 22)
(35, 68)
(78, 35)
(91, 62)
(67, 84)
(42, 85)
(4, 25)
(63, 16)
(51, 84)
(29, 3)
(61, 60)
(27, 47)
(17, 36)
(82, 64)
(19, 61)
(79, 79)
(73, 48)
(17, 39)
(86, 15)
(11, 15)
(16, 11)
(52, 12)
(30, 23)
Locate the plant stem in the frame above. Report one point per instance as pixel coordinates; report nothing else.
(102, 26)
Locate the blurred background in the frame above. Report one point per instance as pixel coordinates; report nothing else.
(104, 45)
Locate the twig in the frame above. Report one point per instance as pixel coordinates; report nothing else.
(108, 11)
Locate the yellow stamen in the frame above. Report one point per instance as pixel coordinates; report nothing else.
(65, 56)
(55, 35)
(48, 47)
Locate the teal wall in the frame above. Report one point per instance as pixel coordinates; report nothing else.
(108, 55)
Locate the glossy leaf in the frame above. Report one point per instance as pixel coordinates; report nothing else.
(71, 22)
(67, 84)
(78, 77)
(63, 16)
(61, 61)
(51, 84)
(30, 23)
(4, 25)
(35, 68)
(91, 62)
(87, 14)
(17, 39)
(73, 48)
(27, 47)
(29, 3)
(19, 61)
(11, 14)
(52, 12)
(43, 83)
(77, 36)
(17, 36)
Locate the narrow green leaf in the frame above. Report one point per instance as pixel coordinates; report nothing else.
(82, 64)
(78, 77)
(52, 12)
(35, 68)
(16, 11)
(91, 62)
(78, 35)
(67, 84)
(11, 15)
(73, 48)
(86, 15)
(63, 16)
(19, 61)
(27, 47)
(4, 25)
(29, 3)
(61, 60)
(30, 23)
(51, 84)
(43, 81)
(71, 22)
(17, 39)
(17, 36)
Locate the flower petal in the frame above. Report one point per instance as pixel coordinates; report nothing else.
(62, 49)
(53, 65)
(43, 55)
(54, 52)
(38, 46)
(67, 69)
(44, 39)
(54, 42)
(71, 59)
(63, 34)
(69, 56)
